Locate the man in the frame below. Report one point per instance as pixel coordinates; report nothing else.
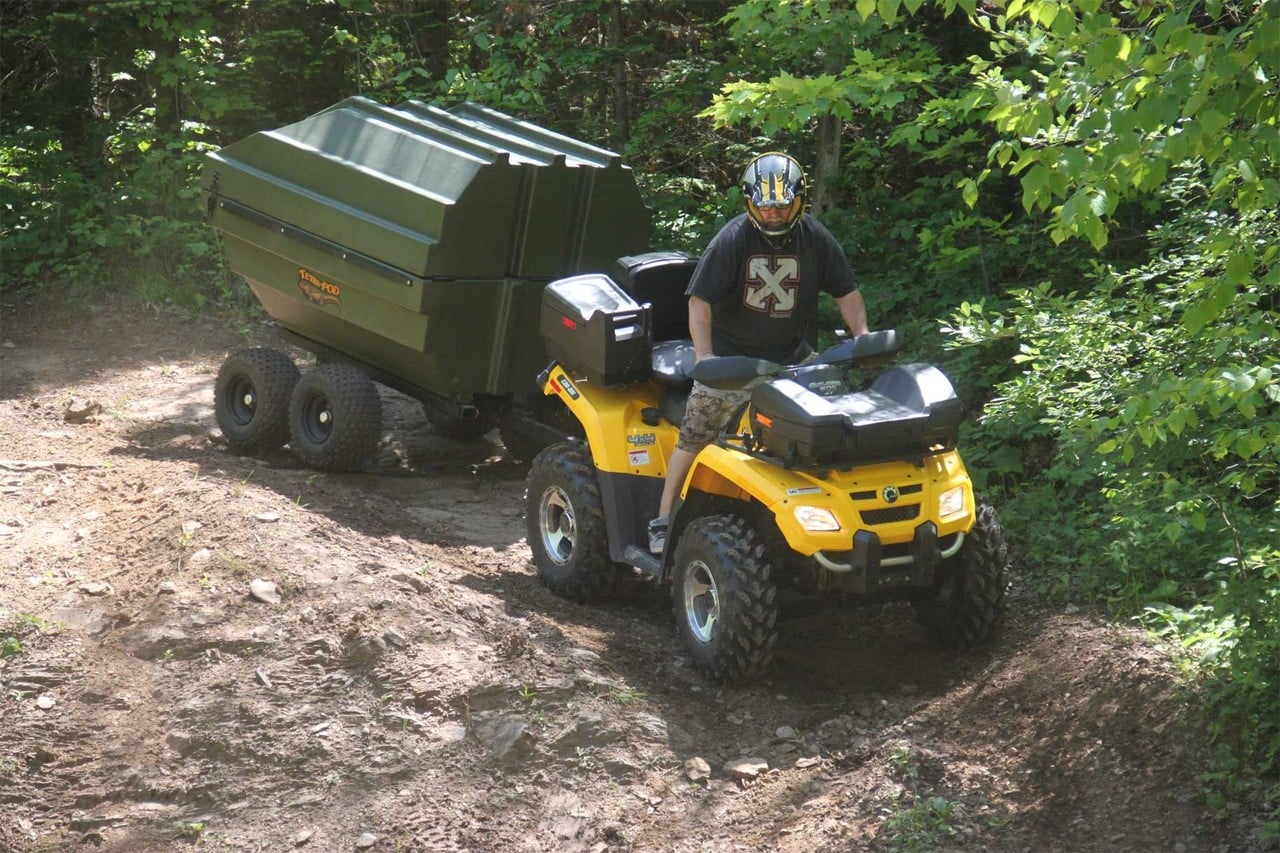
(755, 293)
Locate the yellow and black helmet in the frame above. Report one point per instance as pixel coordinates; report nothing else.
(774, 180)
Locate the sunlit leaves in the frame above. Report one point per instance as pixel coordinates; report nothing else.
(1137, 101)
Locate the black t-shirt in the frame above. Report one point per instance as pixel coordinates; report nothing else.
(764, 300)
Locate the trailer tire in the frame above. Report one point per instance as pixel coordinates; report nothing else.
(969, 600)
(463, 428)
(564, 515)
(725, 599)
(335, 418)
(251, 399)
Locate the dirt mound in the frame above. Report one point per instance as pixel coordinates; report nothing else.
(201, 648)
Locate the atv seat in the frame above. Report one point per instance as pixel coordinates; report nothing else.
(672, 361)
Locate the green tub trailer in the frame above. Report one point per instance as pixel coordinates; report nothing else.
(410, 246)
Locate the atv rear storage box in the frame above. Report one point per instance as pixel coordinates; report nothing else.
(909, 411)
(415, 242)
(659, 279)
(595, 329)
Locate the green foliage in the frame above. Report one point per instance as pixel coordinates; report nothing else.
(1115, 97)
(804, 39)
(924, 825)
(1138, 448)
(136, 225)
(16, 629)
(513, 71)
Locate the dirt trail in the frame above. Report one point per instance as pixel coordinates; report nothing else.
(416, 688)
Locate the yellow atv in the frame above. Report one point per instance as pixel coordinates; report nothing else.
(813, 485)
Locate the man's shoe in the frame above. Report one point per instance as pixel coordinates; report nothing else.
(658, 535)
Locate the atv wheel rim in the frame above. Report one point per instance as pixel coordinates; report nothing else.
(242, 401)
(317, 419)
(557, 525)
(701, 601)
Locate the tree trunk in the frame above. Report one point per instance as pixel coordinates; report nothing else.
(826, 163)
(167, 82)
(431, 33)
(827, 157)
(621, 113)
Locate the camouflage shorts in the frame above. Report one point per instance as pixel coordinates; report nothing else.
(705, 415)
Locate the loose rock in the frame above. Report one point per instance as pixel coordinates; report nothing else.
(366, 840)
(697, 769)
(746, 768)
(79, 411)
(265, 591)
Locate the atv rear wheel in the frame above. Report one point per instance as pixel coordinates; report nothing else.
(970, 598)
(251, 399)
(565, 519)
(725, 599)
(335, 418)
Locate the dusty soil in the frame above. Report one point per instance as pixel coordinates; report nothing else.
(416, 688)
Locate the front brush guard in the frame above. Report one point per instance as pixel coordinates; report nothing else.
(867, 571)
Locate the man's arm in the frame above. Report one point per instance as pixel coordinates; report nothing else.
(852, 309)
(700, 327)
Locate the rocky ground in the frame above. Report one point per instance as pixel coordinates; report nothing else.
(202, 650)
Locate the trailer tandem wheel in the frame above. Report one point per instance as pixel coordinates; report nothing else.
(335, 418)
(251, 399)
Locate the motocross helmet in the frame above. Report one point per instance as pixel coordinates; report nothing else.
(774, 180)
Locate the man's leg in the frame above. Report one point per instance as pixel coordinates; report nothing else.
(677, 469)
(704, 417)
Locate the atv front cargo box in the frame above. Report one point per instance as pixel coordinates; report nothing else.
(909, 411)
(416, 241)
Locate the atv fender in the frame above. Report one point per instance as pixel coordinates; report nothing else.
(621, 434)
(731, 474)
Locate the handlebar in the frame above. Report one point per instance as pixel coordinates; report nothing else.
(738, 371)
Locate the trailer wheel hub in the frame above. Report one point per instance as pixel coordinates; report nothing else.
(241, 401)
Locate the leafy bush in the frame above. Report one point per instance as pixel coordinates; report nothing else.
(1137, 451)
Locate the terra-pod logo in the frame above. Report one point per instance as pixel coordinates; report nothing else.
(319, 291)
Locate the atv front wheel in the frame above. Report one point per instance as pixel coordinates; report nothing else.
(251, 399)
(565, 518)
(970, 598)
(725, 598)
(335, 418)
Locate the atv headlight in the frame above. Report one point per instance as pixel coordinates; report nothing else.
(951, 503)
(815, 519)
